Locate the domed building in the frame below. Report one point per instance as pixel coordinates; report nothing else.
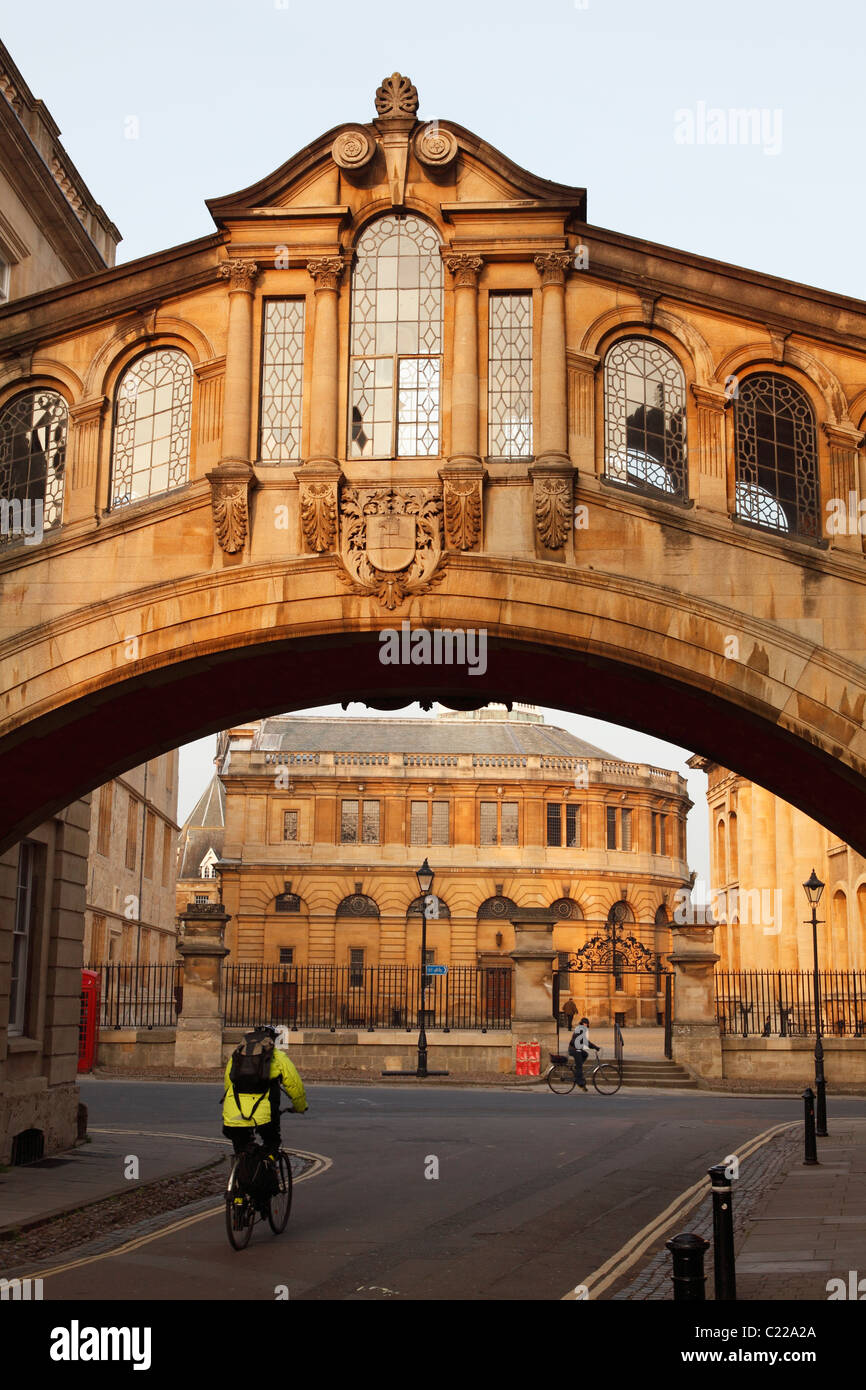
(327, 821)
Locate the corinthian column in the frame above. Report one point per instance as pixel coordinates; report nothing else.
(464, 474)
(320, 477)
(233, 476)
(553, 473)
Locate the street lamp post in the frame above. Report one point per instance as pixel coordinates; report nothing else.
(424, 876)
(813, 889)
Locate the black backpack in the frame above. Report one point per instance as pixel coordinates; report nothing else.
(251, 1068)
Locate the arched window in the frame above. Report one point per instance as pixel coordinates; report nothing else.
(152, 408)
(396, 341)
(645, 418)
(32, 460)
(734, 848)
(721, 857)
(776, 456)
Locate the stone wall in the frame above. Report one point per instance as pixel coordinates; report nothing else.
(768, 1061)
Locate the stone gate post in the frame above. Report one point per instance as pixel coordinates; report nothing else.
(200, 1024)
(532, 1004)
(697, 1043)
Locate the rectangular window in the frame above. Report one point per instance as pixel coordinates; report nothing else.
(554, 824)
(25, 893)
(201, 898)
(166, 855)
(654, 833)
(287, 955)
(626, 828)
(611, 827)
(290, 825)
(282, 381)
(103, 837)
(97, 940)
(418, 823)
(371, 823)
(662, 835)
(572, 827)
(509, 823)
(440, 834)
(131, 833)
(488, 823)
(509, 408)
(349, 823)
(356, 968)
(149, 832)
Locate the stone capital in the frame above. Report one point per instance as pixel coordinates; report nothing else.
(553, 266)
(465, 268)
(85, 411)
(326, 272)
(843, 435)
(709, 397)
(241, 275)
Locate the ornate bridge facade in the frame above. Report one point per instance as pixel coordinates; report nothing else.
(406, 380)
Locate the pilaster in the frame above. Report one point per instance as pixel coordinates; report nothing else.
(708, 483)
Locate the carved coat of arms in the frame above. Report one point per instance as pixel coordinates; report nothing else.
(391, 541)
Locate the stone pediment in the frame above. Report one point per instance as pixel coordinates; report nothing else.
(390, 157)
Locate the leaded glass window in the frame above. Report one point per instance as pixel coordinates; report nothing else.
(488, 823)
(290, 825)
(509, 823)
(282, 382)
(572, 826)
(152, 410)
(509, 391)
(776, 456)
(418, 834)
(439, 835)
(32, 461)
(645, 418)
(396, 341)
(554, 823)
(349, 823)
(370, 822)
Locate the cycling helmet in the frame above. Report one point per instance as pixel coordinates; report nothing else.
(269, 1029)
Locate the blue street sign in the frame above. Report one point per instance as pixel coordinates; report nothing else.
(436, 969)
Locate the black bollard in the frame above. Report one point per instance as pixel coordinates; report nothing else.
(723, 1234)
(811, 1145)
(688, 1276)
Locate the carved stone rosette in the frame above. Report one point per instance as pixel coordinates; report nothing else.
(434, 146)
(229, 500)
(241, 275)
(353, 148)
(553, 266)
(553, 508)
(326, 272)
(319, 514)
(465, 268)
(462, 512)
(391, 542)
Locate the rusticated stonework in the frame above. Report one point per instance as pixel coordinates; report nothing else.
(319, 515)
(391, 542)
(462, 502)
(327, 272)
(465, 269)
(396, 97)
(552, 497)
(241, 275)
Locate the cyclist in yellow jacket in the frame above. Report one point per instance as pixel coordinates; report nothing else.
(245, 1114)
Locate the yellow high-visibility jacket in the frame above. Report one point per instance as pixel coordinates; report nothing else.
(250, 1112)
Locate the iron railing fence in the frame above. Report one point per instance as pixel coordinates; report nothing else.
(780, 1003)
(366, 997)
(139, 996)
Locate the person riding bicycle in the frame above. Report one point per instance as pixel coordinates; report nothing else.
(245, 1113)
(578, 1048)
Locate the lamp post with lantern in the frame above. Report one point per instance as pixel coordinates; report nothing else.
(424, 876)
(814, 888)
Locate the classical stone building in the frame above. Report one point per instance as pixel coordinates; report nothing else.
(762, 851)
(326, 822)
(132, 867)
(51, 232)
(200, 846)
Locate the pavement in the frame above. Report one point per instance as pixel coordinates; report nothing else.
(796, 1227)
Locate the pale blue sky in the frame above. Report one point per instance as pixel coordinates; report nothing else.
(224, 92)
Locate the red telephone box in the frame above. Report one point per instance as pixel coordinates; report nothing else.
(88, 1025)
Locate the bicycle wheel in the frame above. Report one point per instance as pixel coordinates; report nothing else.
(240, 1213)
(561, 1078)
(281, 1202)
(607, 1078)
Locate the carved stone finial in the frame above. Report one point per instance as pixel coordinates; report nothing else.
(553, 266)
(327, 272)
(465, 269)
(396, 97)
(240, 274)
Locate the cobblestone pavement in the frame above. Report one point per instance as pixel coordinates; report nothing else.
(760, 1176)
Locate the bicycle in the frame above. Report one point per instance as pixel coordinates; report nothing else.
(562, 1075)
(242, 1208)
